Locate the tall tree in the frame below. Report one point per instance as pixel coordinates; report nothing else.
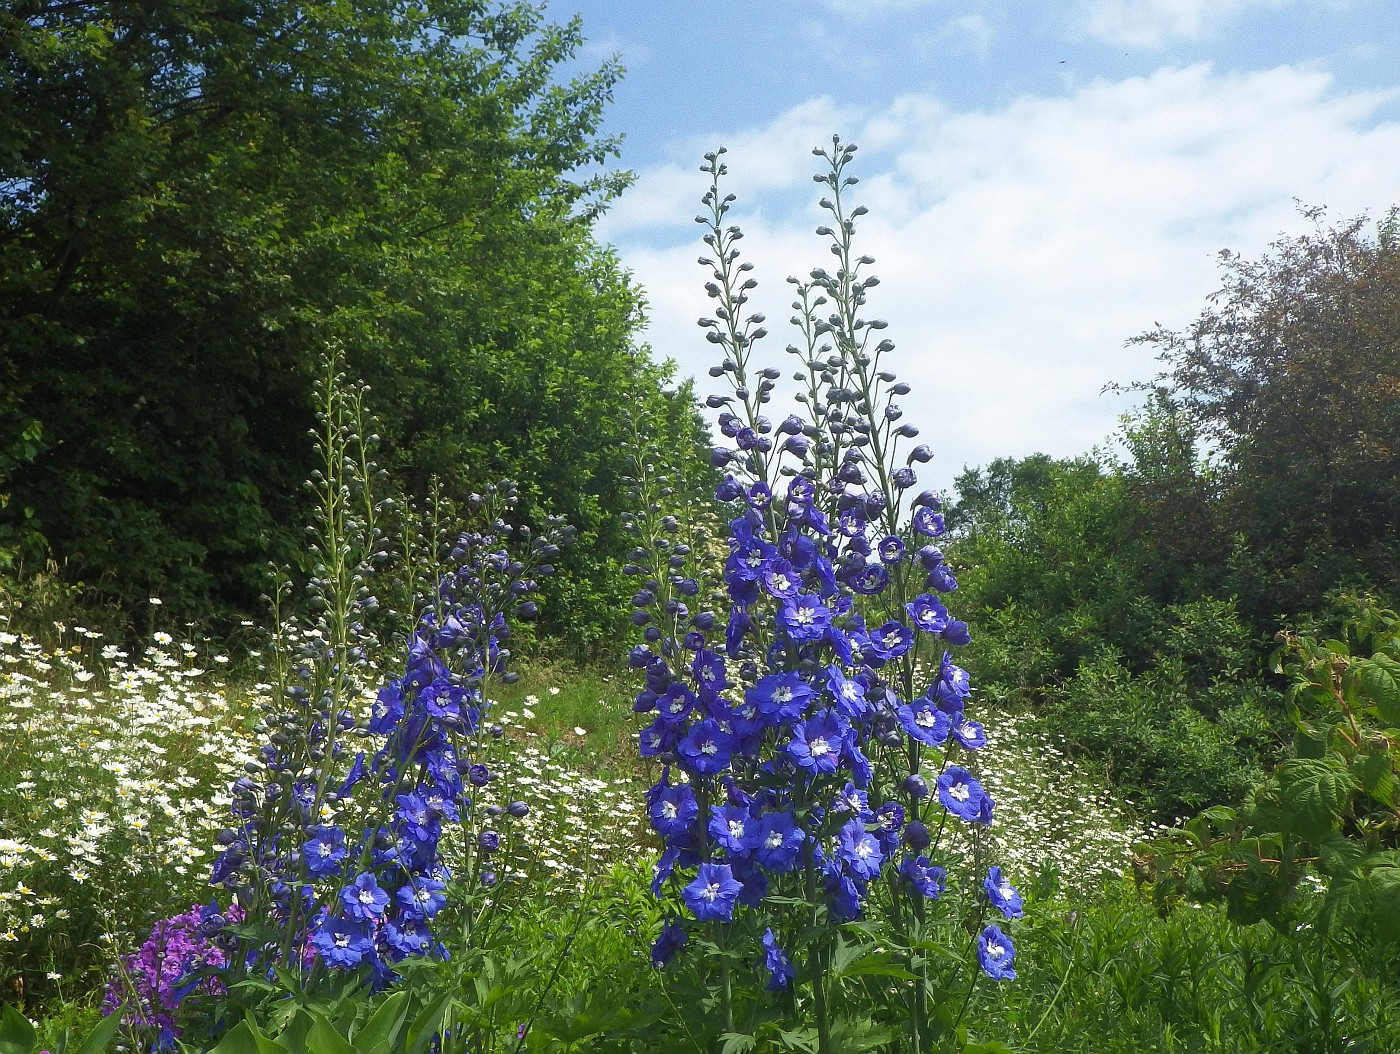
(1293, 374)
(197, 195)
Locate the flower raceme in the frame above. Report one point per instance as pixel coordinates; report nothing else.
(358, 880)
(801, 717)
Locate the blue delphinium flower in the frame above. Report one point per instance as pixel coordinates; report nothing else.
(292, 869)
(963, 796)
(818, 743)
(860, 850)
(324, 851)
(343, 942)
(996, 952)
(928, 880)
(363, 899)
(713, 893)
(777, 963)
(674, 810)
(672, 937)
(1002, 893)
(813, 689)
(923, 721)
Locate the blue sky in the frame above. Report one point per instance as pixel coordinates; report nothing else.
(1045, 180)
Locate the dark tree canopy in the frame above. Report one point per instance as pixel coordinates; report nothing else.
(196, 196)
(1293, 375)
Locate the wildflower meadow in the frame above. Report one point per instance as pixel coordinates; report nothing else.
(780, 815)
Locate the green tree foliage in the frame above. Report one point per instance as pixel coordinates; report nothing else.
(1292, 374)
(196, 196)
(1092, 610)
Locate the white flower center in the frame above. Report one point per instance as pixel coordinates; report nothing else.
(736, 828)
(709, 747)
(366, 897)
(925, 719)
(324, 850)
(820, 747)
(669, 810)
(775, 840)
(711, 891)
(783, 694)
(960, 792)
(804, 616)
(995, 950)
(780, 583)
(864, 848)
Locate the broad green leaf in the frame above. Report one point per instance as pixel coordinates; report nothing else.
(1380, 677)
(1385, 903)
(384, 1024)
(1376, 774)
(322, 1038)
(1314, 794)
(427, 1024)
(736, 1043)
(16, 1033)
(858, 1035)
(247, 1038)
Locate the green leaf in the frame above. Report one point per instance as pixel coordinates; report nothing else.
(1376, 774)
(1380, 678)
(97, 1041)
(322, 1038)
(1314, 794)
(427, 1024)
(737, 1043)
(1385, 904)
(247, 1038)
(16, 1033)
(384, 1024)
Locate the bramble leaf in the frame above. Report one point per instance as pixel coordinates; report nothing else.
(1380, 677)
(1314, 793)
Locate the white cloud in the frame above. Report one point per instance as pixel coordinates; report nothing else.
(1152, 24)
(974, 30)
(1020, 247)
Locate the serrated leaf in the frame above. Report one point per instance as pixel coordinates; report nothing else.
(858, 1035)
(736, 1043)
(1384, 885)
(1376, 774)
(805, 1039)
(16, 1033)
(1314, 794)
(1380, 678)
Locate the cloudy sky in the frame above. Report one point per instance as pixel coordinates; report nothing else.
(1045, 179)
